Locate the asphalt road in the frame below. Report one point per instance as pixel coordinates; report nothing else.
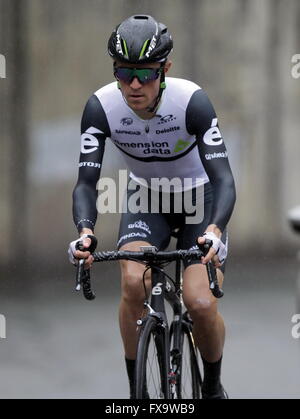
(60, 346)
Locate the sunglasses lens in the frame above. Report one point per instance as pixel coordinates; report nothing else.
(147, 74)
(123, 74)
(144, 75)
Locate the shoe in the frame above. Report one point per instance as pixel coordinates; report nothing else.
(219, 395)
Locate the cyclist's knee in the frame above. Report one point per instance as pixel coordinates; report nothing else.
(132, 276)
(201, 308)
(197, 296)
(132, 282)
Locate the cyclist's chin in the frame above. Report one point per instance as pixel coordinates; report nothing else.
(137, 102)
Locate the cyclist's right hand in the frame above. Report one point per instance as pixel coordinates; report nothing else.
(75, 254)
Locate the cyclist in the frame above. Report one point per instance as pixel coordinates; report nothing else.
(166, 128)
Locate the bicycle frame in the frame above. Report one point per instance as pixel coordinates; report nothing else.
(161, 291)
(170, 361)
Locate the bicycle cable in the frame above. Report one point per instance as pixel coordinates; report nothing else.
(161, 271)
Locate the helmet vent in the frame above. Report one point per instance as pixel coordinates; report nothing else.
(140, 39)
(144, 48)
(139, 17)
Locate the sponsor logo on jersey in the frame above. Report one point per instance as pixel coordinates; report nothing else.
(123, 131)
(126, 121)
(181, 145)
(131, 235)
(148, 148)
(90, 164)
(140, 224)
(89, 140)
(166, 130)
(216, 156)
(213, 135)
(166, 119)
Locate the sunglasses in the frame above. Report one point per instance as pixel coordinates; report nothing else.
(144, 75)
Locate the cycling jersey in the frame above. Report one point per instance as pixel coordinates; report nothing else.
(182, 141)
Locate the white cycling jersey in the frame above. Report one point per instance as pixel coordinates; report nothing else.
(180, 147)
(147, 145)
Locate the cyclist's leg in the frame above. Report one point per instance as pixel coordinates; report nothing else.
(132, 298)
(157, 233)
(209, 328)
(136, 230)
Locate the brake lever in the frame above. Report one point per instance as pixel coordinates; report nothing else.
(79, 274)
(211, 271)
(213, 281)
(83, 278)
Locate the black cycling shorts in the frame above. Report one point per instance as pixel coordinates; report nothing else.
(154, 217)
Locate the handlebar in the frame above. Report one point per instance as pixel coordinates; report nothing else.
(148, 255)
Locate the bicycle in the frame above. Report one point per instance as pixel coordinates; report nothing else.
(167, 359)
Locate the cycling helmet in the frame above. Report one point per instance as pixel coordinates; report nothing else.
(140, 39)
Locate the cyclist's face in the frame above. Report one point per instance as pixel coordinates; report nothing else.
(140, 96)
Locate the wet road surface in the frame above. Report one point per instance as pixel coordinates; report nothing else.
(60, 346)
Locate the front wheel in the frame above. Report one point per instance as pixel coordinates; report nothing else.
(151, 375)
(185, 367)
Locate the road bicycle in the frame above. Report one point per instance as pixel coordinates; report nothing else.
(167, 365)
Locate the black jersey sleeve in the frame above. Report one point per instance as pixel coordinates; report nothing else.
(94, 131)
(201, 121)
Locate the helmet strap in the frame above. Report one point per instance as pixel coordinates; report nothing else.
(162, 87)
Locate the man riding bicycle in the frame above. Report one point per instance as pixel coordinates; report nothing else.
(168, 133)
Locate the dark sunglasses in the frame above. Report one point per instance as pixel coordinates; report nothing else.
(144, 75)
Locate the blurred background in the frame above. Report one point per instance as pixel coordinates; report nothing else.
(240, 52)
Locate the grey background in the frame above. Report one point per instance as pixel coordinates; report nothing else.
(240, 52)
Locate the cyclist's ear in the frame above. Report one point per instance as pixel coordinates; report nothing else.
(168, 65)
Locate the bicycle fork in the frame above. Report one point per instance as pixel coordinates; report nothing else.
(157, 310)
(160, 293)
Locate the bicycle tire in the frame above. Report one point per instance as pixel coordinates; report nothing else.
(187, 377)
(152, 362)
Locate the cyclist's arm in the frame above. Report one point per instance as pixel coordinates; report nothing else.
(94, 131)
(201, 120)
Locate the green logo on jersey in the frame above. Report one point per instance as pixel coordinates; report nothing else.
(181, 145)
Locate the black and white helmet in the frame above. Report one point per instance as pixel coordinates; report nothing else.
(140, 39)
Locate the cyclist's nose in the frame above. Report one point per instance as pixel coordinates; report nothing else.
(135, 84)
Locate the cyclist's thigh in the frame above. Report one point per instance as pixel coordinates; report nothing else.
(133, 272)
(138, 230)
(149, 228)
(196, 290)
(145, 227)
